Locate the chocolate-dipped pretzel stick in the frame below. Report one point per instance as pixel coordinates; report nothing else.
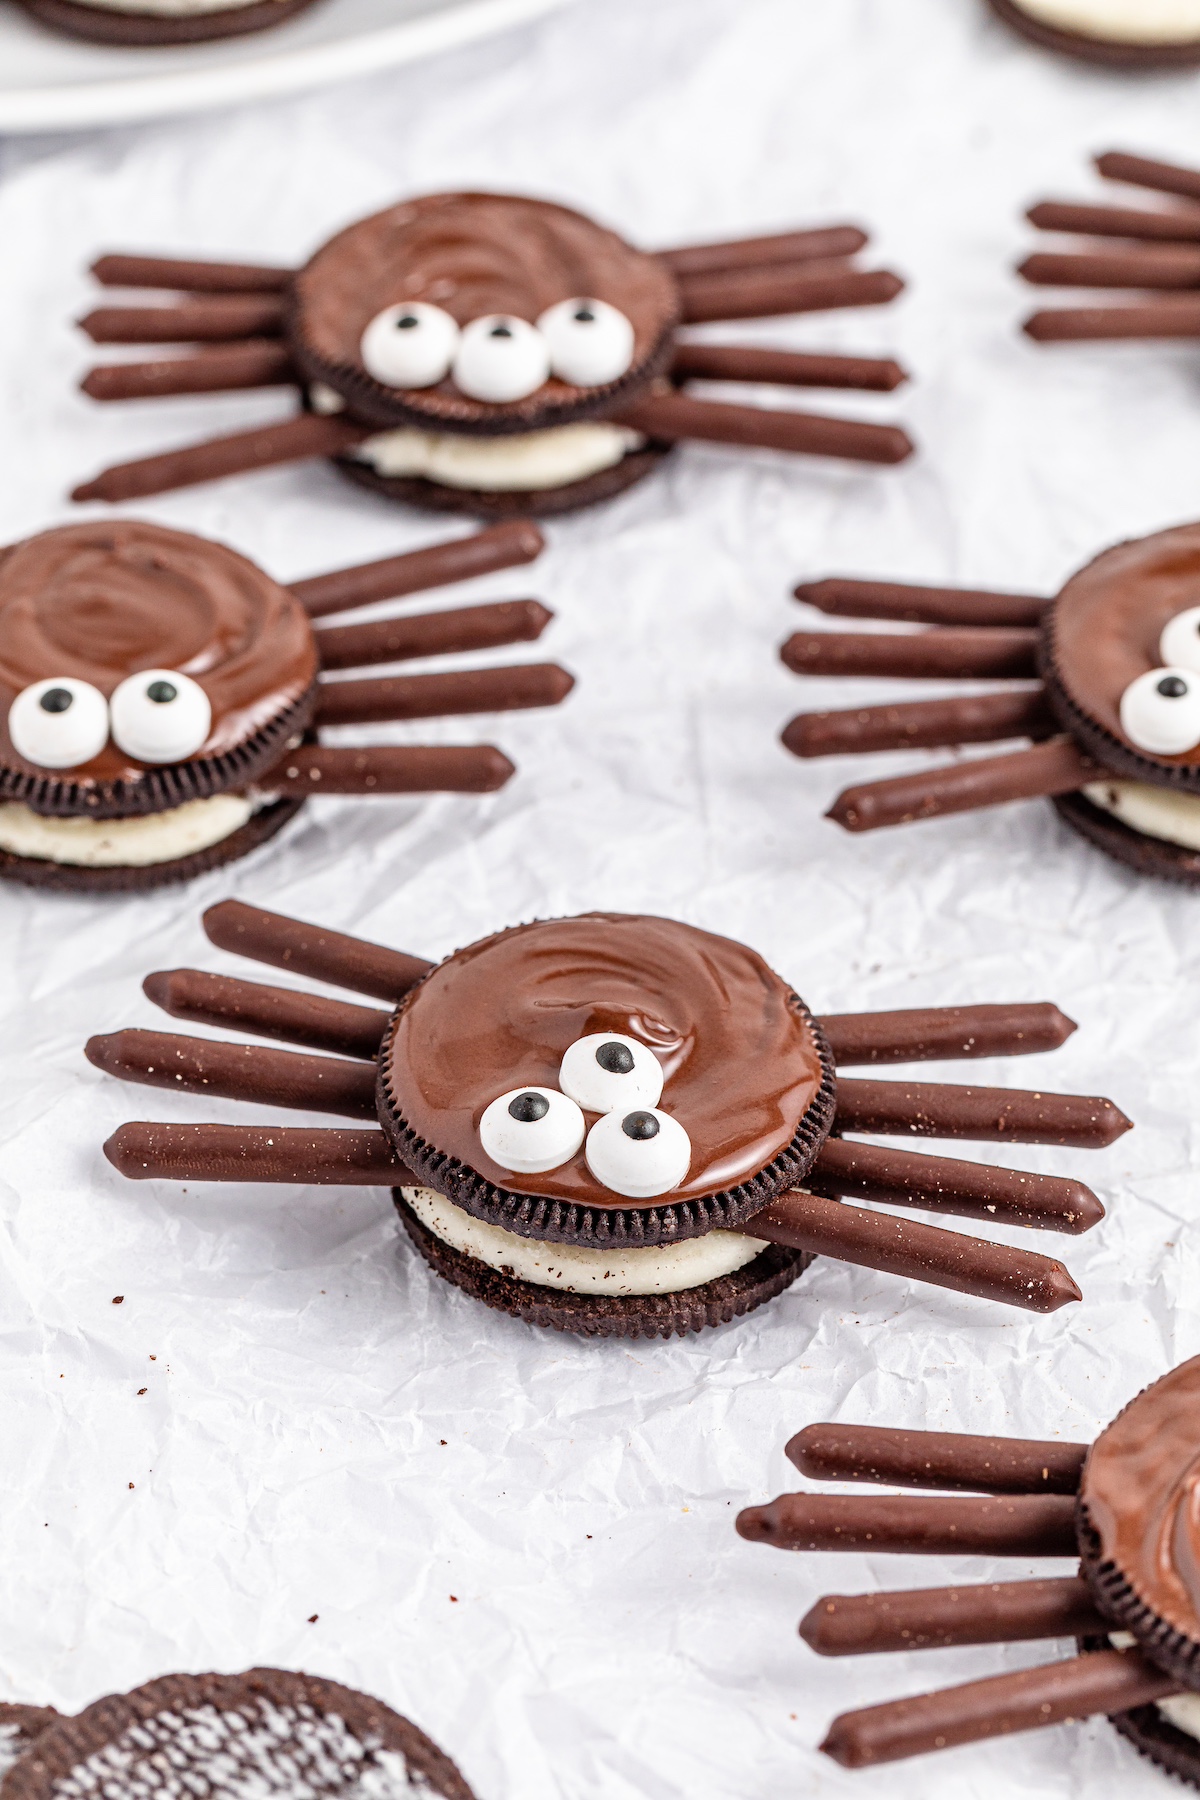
(916, 1524)
(185, 274)
(915, 1252)
(1058, 766)
(1107, 1681)
(998, 1115)
(404, 430)
(922, 724)
(1173, 318)
(151, 1151)
(950, 652)
(945, 1185)
(237, 1071)
(936, 1033)
(1154, 266)
(996, 1612)
(503, 546)
(919, 604)
(331, 956)
(392, 769)
(1145, 171)
(253, 363)
(274, 1012)
(1176, 226)
(516, 686)
(433, 634)
(936, 1459)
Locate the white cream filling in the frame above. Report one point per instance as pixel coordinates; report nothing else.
(1157, 812)
(168, 9)
(136, 843)
(1180, 1710)
(1121, 21)
(660, 1269)
(524, 463)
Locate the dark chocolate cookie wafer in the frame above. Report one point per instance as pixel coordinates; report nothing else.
(616, 1092)
(1163, 1743)
(474, 503)
(20, 1728)
(109, 25)
(607, 1315)
(1108, 52)
(1143, 854)
(266, 1731)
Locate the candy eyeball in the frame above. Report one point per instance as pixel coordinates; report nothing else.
(1160, 711)
(531, 1129)
(1179, 645)
(590, 342)
(59, 723)
(606, 1071)
(639, 1154)
(159, 716)
(409, 346)
(500, 358)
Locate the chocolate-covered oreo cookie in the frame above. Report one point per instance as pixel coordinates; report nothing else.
(267, 1731)
(748, 1075)
(158, 694)
(20, 1728)
(1131, 43)
(613, 1123)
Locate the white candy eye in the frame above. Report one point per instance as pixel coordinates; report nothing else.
(1160, 711)
(1179, 645)
(59, 723)
(639, 1153)
(531, 1130)
(409, 346)
(500, 358)
(606, 1070)
(590, 342)
(159, 716)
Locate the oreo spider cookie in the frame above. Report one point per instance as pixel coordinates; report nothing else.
(160, 696)
(234, 1736)
(1118, 34)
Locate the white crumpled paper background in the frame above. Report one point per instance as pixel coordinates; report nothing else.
(523, 1541)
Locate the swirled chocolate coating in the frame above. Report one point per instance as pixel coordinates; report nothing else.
(1141, 1496)
(102, 601)
(1109, 617)
(742, 1066)
(473, 254)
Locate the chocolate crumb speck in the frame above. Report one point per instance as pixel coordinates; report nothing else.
(131, 1487)
(454, 1597)
(118, 1299)
(143, 1390)
(441, 1440)
(313, 1617)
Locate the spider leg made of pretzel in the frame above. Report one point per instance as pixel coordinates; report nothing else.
(809, 1220)
(1162, 252)
(1021, 1503)
(971, 635)
(240, 311)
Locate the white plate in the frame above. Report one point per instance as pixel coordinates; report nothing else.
(54, 83)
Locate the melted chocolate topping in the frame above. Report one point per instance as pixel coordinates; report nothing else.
(741, 1065)
(1141, 1492)
(473, 254)
(1108, 619)
(101, 601)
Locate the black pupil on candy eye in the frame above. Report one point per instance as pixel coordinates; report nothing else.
(56, 700)
(500, 331)
(406, 321)
(586, 316)
(616, 1058)
(160, 692)
(640, 1126)
(528, 1108)
(1172, 687)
